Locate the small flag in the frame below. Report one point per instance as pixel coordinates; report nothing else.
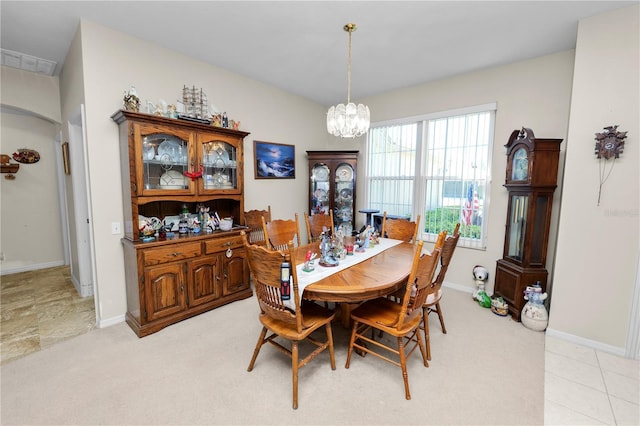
(471, 204)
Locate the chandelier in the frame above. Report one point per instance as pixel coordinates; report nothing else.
(351, 120)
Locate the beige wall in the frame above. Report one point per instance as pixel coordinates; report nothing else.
(534, 94)
(31, 236)
(29, 91)
(597, 260)
(72, 96)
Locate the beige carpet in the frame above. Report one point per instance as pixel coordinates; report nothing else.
(485, 370)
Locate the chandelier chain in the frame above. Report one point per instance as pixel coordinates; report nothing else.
(350, 29)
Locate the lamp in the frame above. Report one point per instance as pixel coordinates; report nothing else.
(348, 121)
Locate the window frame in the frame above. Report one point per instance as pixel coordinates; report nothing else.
(420, 178)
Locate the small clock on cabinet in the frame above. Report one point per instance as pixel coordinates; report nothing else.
(532, 169)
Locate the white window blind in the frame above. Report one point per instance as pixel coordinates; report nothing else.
(392, 165)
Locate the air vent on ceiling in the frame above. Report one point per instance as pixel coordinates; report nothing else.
(25, 62)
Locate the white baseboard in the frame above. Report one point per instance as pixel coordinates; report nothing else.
(31, 267)
(103, 323)
(593, 344)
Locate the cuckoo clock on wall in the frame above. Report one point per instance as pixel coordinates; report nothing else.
(532, 170)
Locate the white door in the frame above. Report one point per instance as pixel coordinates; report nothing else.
(78, 199)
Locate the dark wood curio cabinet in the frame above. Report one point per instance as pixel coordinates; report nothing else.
(332, 186)
(168, 165)
(532, 170)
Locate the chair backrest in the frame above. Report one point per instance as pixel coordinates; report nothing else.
(252, 219)
(417, 288)
(315, 224)
(279, 232)
(448, 248)
(264, 265)
(400, 229)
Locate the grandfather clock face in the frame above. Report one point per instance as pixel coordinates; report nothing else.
(520, 165)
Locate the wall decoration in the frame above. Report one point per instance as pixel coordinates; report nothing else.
(609, 146)
(8, 167)
(65, 158)
(274, 160)
(26, 156)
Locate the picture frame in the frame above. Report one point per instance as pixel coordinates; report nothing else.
(274, 160)
(65, 158)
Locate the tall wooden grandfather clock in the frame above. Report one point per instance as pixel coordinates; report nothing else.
(532, 171)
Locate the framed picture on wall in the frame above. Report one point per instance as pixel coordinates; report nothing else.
(274, 160)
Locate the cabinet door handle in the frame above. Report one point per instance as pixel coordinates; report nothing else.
(181, 288)
(217, 277)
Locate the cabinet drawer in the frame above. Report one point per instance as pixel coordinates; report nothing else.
(214, 246)
(171, 253)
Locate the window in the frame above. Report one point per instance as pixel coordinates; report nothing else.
(437, 166)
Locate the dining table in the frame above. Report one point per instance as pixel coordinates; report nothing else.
(373, 272)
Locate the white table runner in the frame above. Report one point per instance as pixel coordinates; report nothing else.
(320, 272)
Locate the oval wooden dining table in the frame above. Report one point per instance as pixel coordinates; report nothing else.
(380, 275)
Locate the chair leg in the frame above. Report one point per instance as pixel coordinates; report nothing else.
(444, 329)
(423, 351)
(427, 338)
(294, 367)
(330, 340)
(403, 366)
(261, 341)
(351, 342)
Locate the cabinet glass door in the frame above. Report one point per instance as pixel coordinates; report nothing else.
(320, 202)
(164, 162)
(219, 165)
(517, 226)
(343, 197)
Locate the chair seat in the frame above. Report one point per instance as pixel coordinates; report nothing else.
(315, 316)
(382, 314)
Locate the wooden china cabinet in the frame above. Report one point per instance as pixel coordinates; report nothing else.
(532, 170)
(332, 186)
(168, 165)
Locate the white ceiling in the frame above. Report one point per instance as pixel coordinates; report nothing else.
(300, 46)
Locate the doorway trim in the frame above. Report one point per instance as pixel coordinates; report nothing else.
(79, 161)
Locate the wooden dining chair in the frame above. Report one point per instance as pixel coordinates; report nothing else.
(432, 304)
(315, 224)
(400, 320)
(400, 229)
(281, 321)
(279, 232)
(252, 219)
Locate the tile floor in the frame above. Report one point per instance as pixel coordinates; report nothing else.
(584, 386)
(38, 309)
